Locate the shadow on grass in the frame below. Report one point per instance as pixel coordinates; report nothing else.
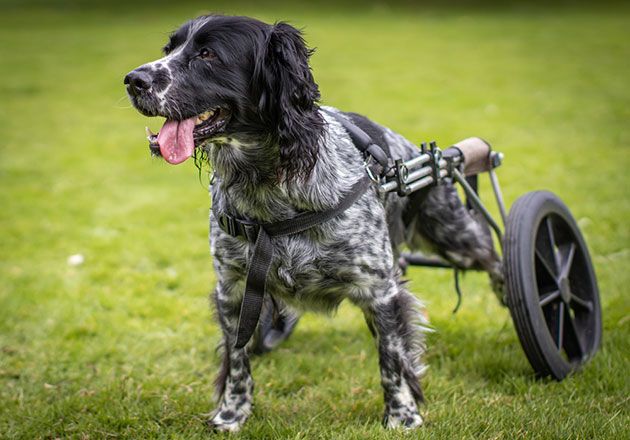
(489, 358)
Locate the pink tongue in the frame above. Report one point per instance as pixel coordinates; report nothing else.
(176, 140)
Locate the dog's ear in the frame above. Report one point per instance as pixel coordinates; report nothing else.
(287, 99)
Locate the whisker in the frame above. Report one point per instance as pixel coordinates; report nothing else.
(123, 98)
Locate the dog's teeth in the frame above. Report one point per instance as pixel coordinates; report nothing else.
(151, 137)
(204, 116)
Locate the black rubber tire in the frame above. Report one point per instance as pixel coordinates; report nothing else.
(552, 290)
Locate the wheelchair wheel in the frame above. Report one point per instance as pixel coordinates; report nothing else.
(552, 291)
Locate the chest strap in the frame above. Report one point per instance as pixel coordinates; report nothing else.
(261, 235)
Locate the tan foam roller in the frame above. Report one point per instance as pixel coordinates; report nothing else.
(476, 153)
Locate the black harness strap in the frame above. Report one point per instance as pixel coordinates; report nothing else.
(255, 288)
(362, 141)
(261, 234)
(262, 257)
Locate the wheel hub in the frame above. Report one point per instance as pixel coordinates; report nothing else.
(565, 290)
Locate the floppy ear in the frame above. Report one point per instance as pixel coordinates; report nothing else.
(287, 96)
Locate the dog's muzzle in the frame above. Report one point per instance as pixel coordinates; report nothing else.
(137, 82)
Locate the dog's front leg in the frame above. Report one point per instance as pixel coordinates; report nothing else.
(396, 322)
(234, 384)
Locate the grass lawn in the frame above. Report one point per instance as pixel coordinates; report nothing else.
(122, 346)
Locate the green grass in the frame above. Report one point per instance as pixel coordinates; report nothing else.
(123, 345)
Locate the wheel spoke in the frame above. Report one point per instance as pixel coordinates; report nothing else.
(560, 325)
(567, 254)
(545, 249)
(552, 241)
(546, 264)
(572, 342)
(576, 300)
(554, 315)
(549, 297)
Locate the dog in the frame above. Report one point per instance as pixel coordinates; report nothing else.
(240, 94)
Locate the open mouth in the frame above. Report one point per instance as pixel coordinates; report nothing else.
(177, 140)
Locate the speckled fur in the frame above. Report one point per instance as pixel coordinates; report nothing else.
(280, 155)
(350, 257)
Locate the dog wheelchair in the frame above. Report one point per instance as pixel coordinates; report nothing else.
(551, 289)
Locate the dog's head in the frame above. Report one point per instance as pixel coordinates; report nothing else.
(225, 77)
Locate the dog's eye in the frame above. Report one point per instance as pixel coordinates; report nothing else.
(207, 54)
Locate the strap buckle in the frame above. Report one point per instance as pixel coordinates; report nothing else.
(228, 224)
(367, 164)
(238, 228)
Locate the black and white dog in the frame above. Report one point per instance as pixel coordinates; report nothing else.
(240, 93)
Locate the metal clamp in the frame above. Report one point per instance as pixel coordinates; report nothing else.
(436, 155)
(402, 176)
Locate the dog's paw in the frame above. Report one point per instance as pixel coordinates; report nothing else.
(224, 426)
(227, 421)
(406, 420)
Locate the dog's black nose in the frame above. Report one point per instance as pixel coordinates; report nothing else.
(138, 81)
